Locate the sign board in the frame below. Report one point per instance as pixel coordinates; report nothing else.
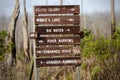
(57, 51)
(61, 61)
(56, 35)
(33, 35)
(58, 40)
(57, 19)
(73, 9)
(57, 29)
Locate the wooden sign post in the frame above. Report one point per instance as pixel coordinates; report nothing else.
(56, 36)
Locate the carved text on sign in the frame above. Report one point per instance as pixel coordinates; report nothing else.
(48, 19)
(47, 9)
(58, 61)
(57, 9)
(58, 40)
(58, 29)
(57, 19)
(58, 50)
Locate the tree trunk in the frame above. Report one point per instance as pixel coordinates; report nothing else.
(11, 30)
(25, 32)
(112, 17)
(61, 2)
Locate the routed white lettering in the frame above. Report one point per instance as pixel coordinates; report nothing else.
(66, 40)
(66, 51)
(51, 40)
(53, 9)
(58, 30)
(40, 9)
(48, 30)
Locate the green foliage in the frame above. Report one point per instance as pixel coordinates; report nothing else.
(69, 77)
(84, 65)
(95, 70)
(100, 56)
(116, 39)
(3, 46)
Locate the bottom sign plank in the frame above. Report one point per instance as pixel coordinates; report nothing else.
(61, 61)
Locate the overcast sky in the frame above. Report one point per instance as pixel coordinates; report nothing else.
(89, 6)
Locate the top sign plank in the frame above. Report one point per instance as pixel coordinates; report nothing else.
(71, 9)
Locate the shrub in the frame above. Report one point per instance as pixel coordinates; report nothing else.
(100, 57)
(3, 46)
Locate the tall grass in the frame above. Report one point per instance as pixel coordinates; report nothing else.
(101, 57)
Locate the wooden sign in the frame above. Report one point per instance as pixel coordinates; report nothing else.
(58, 40)
(57, 19)
(57, 30)
(33, 35)
(68, 9)
(60, 61)
(57, 51)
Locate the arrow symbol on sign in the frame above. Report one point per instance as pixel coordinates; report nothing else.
(41, 41)
(41, 62)
(68, 30)
(72, 9)
(70, 19)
